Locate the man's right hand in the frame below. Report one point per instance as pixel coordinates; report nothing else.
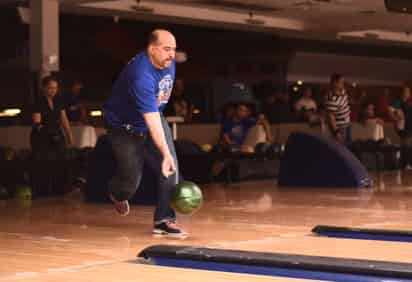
(168, 165)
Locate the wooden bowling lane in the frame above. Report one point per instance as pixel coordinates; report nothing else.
(131, 272)
(65, 239)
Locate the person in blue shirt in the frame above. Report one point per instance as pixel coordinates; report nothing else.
(236, 128)
(75, 108)
(138, 131)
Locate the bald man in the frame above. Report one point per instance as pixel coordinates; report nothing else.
(139, 133)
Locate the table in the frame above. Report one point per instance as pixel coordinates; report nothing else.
(18, 137)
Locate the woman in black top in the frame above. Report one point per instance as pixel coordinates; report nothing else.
(49, 118)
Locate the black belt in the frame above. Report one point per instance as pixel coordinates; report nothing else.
(137, 134)
(128, 131)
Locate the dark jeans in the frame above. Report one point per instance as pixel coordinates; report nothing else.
(347, 135)
(47, 145)
(48, 173)
(131, 152)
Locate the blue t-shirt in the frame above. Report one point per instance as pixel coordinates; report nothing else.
(237, 130)
(140, 88)
(72, 107)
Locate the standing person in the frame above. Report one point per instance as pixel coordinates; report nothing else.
(138, 131)
(47, 140)
(49, 118)
(401, 113)
(338, 110)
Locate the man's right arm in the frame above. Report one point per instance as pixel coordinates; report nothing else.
(155, 127)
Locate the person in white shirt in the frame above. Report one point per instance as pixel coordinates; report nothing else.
(306, 107)
(306, 102)
(338, 110)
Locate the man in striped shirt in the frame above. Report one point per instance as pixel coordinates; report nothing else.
(338, 111)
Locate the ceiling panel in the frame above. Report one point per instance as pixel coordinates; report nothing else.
(320, 19)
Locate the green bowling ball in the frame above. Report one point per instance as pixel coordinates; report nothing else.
(206, 148)
(187, 198)
(23, 192)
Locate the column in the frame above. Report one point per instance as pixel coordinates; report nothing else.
(44, 37)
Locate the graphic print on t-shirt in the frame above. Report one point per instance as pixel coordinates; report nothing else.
(237, 131)
(165, 90)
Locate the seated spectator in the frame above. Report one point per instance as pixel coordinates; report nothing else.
(370, 119)
(306, 102)
(369, 116)
(75, 108)
(260, 133)
(306, 107)
(236, 128)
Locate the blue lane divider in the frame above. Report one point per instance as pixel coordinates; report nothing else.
(362, 233)
(271, 271)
